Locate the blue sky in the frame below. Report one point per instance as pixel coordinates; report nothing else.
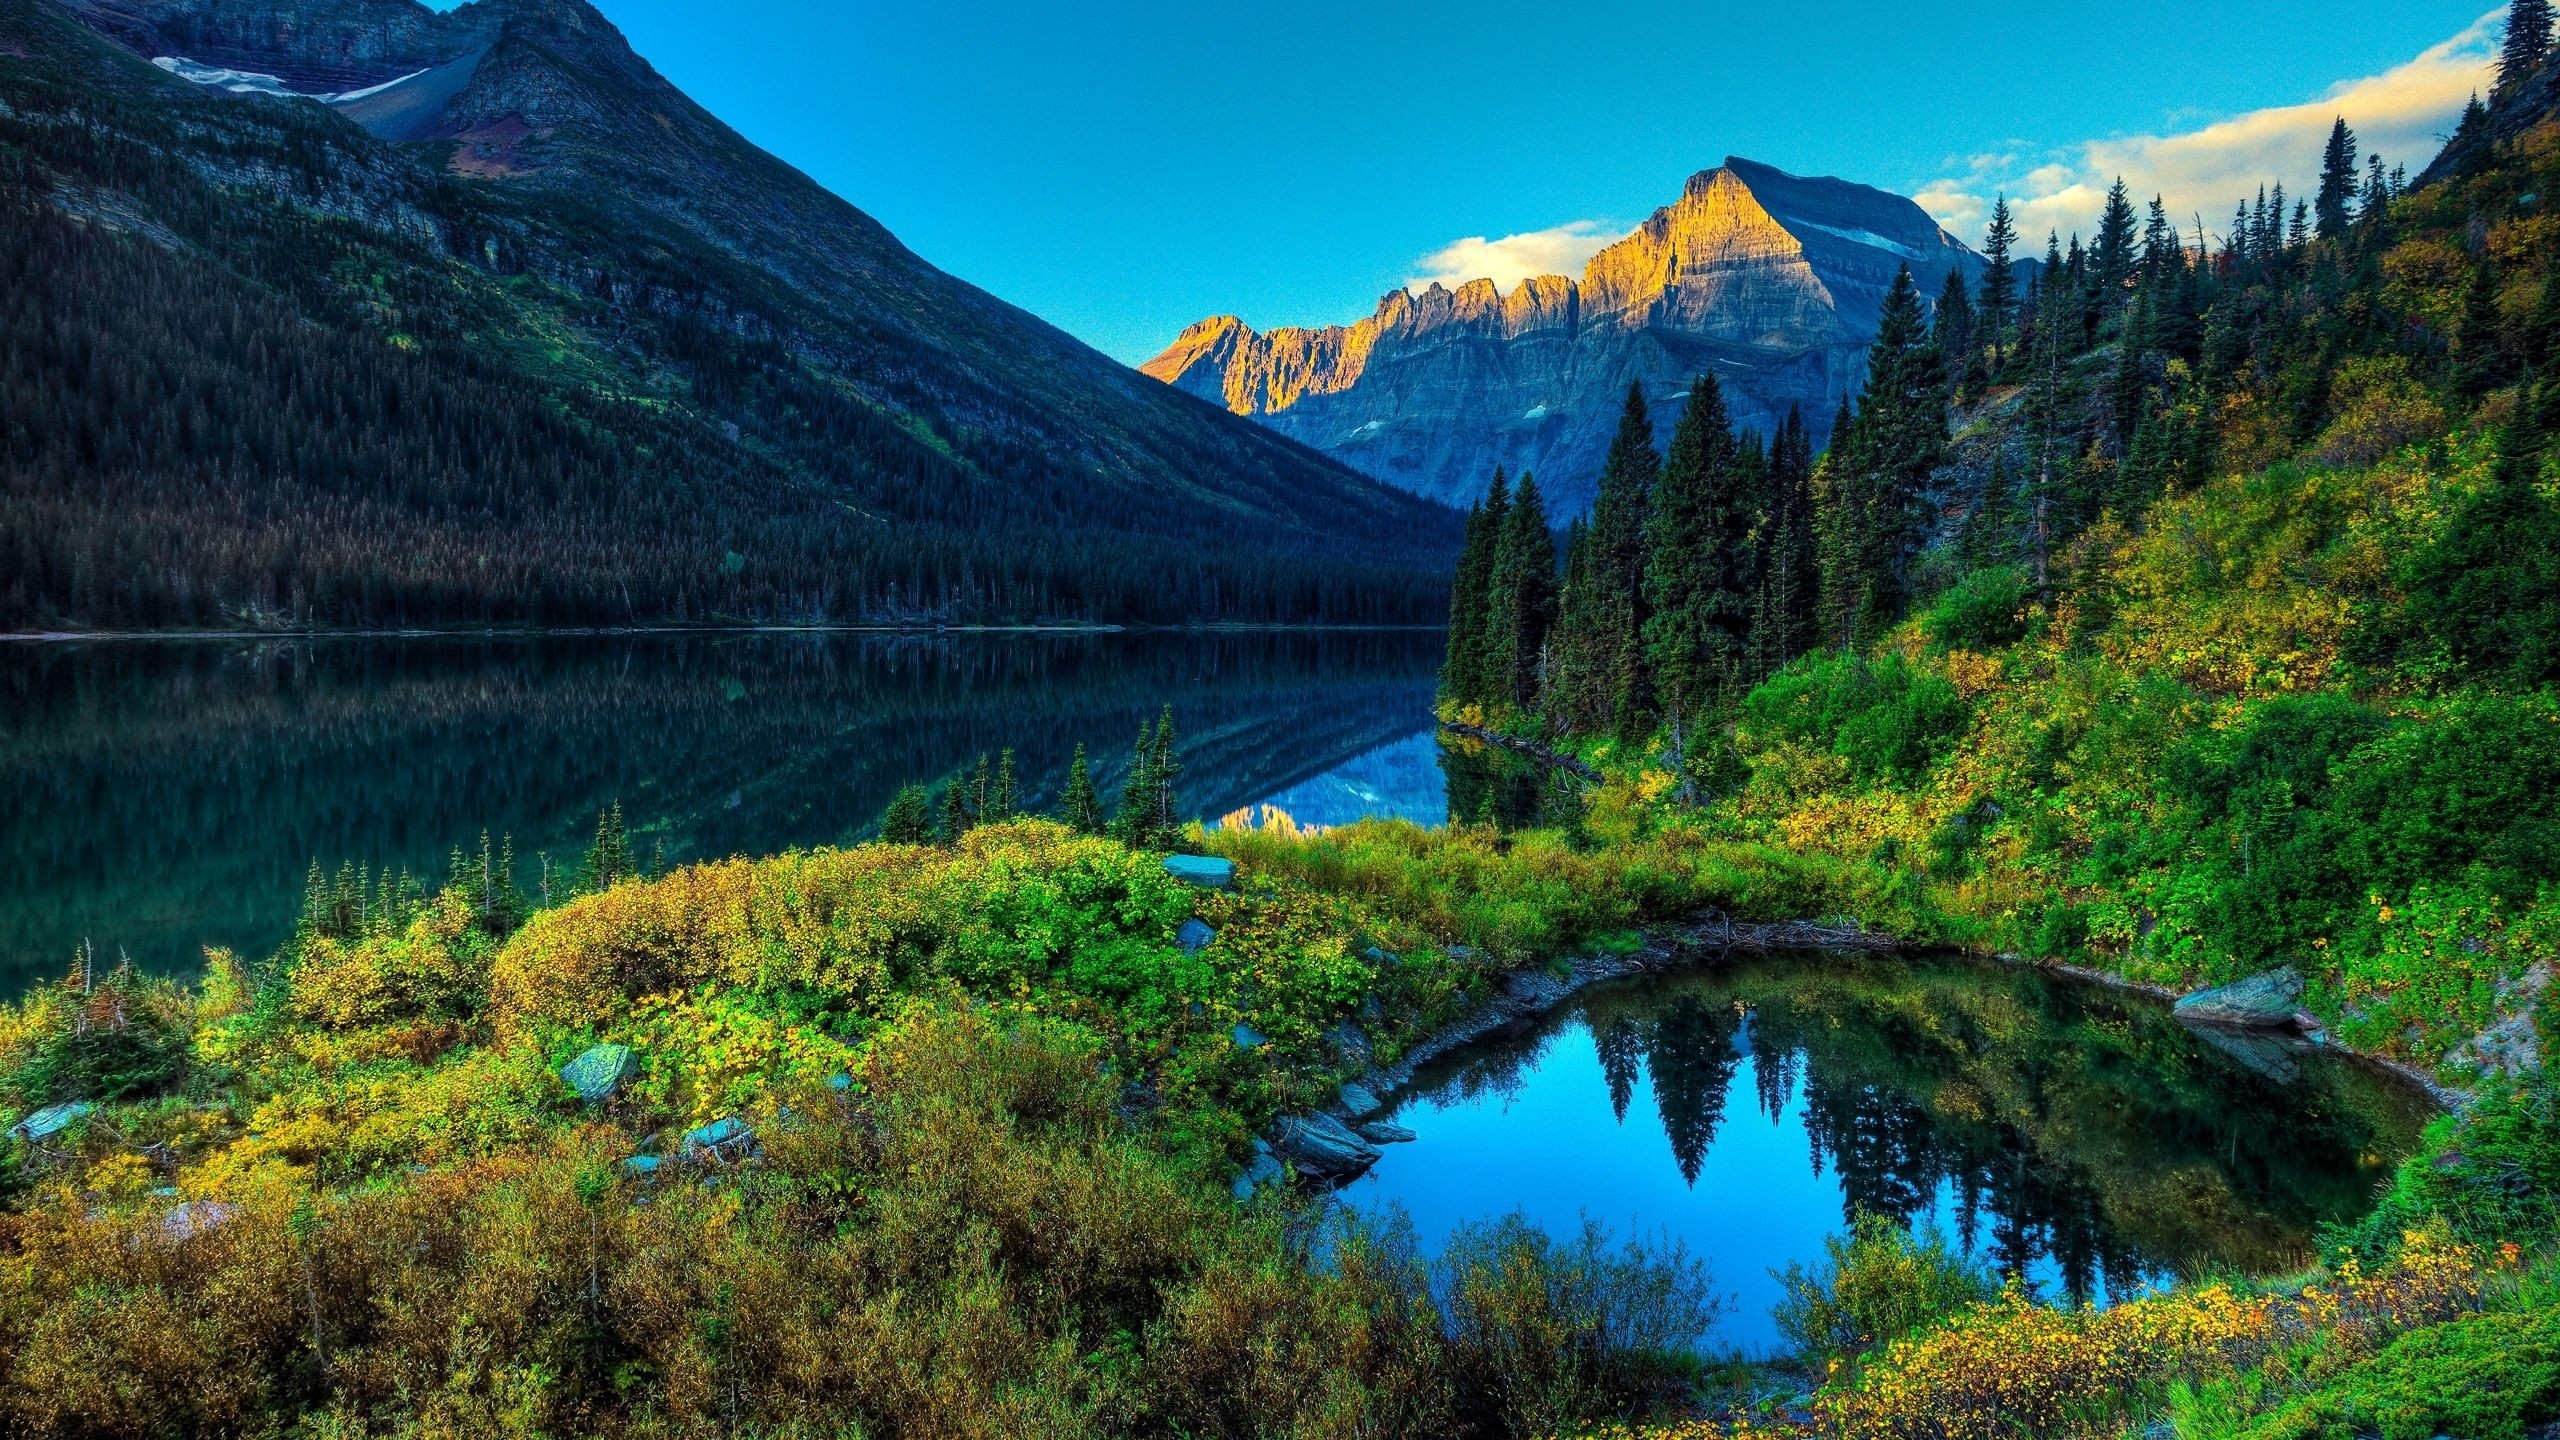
(1123, 169)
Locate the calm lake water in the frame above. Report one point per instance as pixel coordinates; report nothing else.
(2067, 1133)
(157, 797)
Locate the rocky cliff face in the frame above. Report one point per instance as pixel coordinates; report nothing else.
(1772, 281)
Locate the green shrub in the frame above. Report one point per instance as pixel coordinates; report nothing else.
(1986, 610)
(1876, 1284)
(2484, 1378)
(1890, 719)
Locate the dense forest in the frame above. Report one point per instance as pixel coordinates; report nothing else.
(260, 369)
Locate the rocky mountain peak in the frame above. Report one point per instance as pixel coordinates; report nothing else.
(1774, 281)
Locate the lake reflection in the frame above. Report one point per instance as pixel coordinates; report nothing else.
(157, 797)
(2071, 1135)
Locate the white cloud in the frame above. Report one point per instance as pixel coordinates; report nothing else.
(2402, 114)
(1558, 250)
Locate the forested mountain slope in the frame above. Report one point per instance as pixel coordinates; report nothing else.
(524, 335)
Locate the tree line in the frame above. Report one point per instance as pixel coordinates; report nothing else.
(2001, 425)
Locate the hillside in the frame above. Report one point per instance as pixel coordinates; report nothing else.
(1772, 282)
(509, 330)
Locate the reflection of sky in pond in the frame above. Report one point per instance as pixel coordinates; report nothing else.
(2074, 1136)
(1397, 781)
(1555, 1149)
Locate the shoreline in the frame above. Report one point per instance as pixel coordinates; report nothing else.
(1531, 994)
(537, 632)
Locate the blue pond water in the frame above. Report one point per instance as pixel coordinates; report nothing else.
(2072, 1136)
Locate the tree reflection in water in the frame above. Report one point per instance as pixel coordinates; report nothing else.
(2059, 1131)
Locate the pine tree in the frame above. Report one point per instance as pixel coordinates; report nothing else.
(1880, 477)
(1080, 806)
(1521, 603)
(1952, 325)
(909, 818)
(1164, 766)
(1130, 823)
(1468, 596)
(2528, 42)
(2112, 259)
(1603, 686)
(1002, 802)
(1697, 560)
(955, 812)
(1999, 281)
(2335, 205)
(2480, 357)
(1784, 609)
(2473, 144)
(608, 857)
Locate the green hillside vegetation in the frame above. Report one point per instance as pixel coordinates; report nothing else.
(2187, 615)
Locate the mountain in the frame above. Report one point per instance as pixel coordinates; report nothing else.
(351, 312)
(1773, 281)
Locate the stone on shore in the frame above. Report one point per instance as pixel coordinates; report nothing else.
(1323, 1145)
(1206, 871)
(2261, 1002)
(1359, 1102)
(1383, 1132)
(52, 1120)
(600, 1073)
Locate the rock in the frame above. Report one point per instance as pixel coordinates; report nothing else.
(1383, 959)
(641, 1167)
(1358, 1102)
(52, 1120)
(2261, 1002)
(1248, 1038)
(1206, 871)
(1194, 937)
(1535, 989)
(726, 1140)
(600, 1073)
(1381, 1132)
(2509, 1048)
(1263, 1170)
(1782, 278)
(196, 1217)
(1349, 1041)
(2258, 1050)
(1323, 1145)
(840, 1082)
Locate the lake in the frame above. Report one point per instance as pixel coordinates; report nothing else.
(2070, 1134)
(160, 796)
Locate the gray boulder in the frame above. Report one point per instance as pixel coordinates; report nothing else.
(1194, 937)
(1264, 1170)
(1382, 1132)
(1359, 1102)
(1209, 872)
(2261, 1002)
(600, 1073)
(1323, 1145)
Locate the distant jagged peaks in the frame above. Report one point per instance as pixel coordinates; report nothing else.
(1774, 281)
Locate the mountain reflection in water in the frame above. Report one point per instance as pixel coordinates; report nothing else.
(160, 796)
(2072, 1136)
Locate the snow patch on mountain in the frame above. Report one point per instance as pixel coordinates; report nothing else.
(254, 82)
(1863, 237)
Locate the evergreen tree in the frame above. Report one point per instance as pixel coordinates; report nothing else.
(2337, 182)
(1999, 280)
(1080, 806)
(2485, 595)
(955, 812)
(1602, 684)
(2473, 144)
(1469, 594)
(909, 818)
(2528, 42)
(1697, 560)
(608, 858)
(1783, 618)
(1002, 802)
(1521, 602)
(1130, 823)
(1880, 478)
(2480, 357)
(2113, 260)
(1953, 326)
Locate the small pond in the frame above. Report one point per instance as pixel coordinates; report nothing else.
(2072, 1135)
